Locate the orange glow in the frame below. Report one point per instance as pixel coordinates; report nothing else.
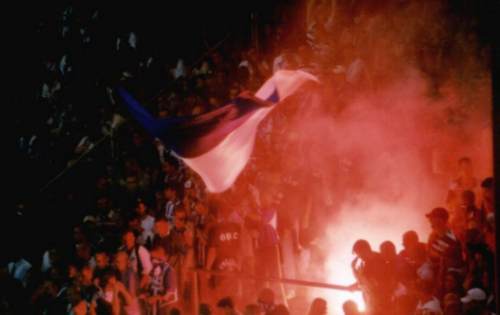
(374, 221)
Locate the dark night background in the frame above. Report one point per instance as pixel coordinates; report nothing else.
(170, 31)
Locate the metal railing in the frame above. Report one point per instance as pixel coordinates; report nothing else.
(245, 276)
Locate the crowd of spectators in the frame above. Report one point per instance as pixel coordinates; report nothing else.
(141, 221)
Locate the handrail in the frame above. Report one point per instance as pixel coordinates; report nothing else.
(273, 279)
(241, 275)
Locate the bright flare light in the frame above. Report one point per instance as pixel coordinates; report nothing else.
(374, 221)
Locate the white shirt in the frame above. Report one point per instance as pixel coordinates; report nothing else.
(144, 257)
(132, 40)
(179, 70)
(169, 209)
(19, 270)
(147, 224)
(46, 263)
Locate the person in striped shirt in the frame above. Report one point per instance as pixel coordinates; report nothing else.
(444, 248)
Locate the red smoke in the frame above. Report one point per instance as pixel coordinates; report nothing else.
(375, 154)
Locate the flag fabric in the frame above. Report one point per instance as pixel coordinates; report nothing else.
(218, 144)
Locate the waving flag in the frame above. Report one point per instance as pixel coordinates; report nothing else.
(218, 144)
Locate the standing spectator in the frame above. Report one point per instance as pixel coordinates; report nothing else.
(162, 289)
(101, 263)
(488, 210)
(161, 235)
(392, 265)
(444, 248)
(224, 252)
(127, 276)
(350, 308)
(146, 223)
(172, 201)
(265, 300)
(413, 254)
(181, 250)
(280, 309)
(13, 296)
(464, 181)
(267, 249)
(20, 269)
(87, 288)
(319, 307)
(453, 284)
(114, 296)
(452, 304)
(139, 262)
(369, 269)
(466, 215)
(251, 309)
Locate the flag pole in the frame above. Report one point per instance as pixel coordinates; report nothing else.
(72, 164)
(116, 122)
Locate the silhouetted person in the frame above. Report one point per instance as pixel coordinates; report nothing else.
(369, 269)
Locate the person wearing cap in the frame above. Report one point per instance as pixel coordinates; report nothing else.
(444, 248)
(474, 302)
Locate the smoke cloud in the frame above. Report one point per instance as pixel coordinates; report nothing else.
(405, 93)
